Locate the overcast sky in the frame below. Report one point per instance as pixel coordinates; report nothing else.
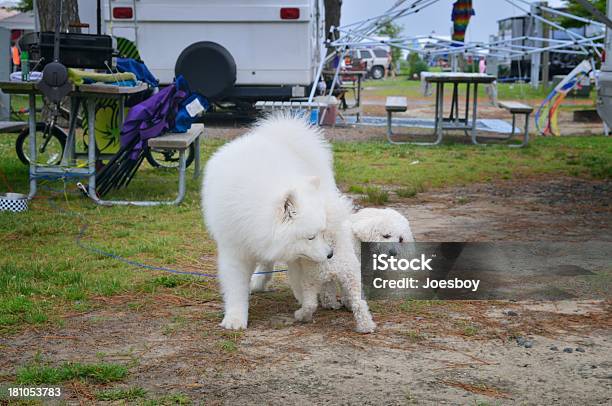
(437, 17)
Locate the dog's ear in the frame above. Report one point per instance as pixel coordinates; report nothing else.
(287, 209)
(363, 228)
(314, 181)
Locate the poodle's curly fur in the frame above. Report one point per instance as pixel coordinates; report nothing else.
(367, 225)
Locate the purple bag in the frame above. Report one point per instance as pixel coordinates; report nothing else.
(154, 116)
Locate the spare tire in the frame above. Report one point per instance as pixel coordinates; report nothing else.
(209, 69)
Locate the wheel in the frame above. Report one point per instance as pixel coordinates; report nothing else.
(50, 150)
(168, 159)
(208, 68)
(377, 72)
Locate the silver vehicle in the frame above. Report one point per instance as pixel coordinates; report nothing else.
(377, 60)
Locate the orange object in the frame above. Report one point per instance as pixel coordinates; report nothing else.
(15, 55)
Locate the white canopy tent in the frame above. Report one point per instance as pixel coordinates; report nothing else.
(362, 33)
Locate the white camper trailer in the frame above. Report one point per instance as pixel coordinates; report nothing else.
(226, 49)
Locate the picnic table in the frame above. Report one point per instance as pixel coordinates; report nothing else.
(454, 121)
(89, 95)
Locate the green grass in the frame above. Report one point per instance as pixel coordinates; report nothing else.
(375, 196)
(169, 400)
(38, 374)
(130, 394)
(382, 164)
(409, 191)
(44, 274)
(228, 346)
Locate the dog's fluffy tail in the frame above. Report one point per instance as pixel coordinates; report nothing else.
(305, 140)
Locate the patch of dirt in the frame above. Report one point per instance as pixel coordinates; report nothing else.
(559, 209)
(426, 353)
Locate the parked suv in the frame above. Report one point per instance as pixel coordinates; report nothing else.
(376, 59)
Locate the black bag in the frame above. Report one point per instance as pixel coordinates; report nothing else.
(76, 50)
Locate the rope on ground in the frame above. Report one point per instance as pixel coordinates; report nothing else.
(85, 226)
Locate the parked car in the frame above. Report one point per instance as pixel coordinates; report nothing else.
(227, 50)
(376, 60)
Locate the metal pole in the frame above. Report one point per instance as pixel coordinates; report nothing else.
(536, 31)
(32, 138)
(36, 16)
(5, 71)
(99, 17)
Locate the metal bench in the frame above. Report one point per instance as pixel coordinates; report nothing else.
(180, 142)
(394, 105)
(172, 142)
(517, 108)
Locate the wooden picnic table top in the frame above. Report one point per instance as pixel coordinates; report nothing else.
(87, 89)
(457, 77)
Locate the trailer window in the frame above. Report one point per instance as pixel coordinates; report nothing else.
(381, 53)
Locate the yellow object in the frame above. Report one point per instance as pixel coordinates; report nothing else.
(78, 76)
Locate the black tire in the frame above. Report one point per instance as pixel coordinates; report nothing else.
(168, 159)
(54, 149)
(208, 68)
(377, 72)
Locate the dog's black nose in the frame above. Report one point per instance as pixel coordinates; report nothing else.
(392, 252)
(330, 255)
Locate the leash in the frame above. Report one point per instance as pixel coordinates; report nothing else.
(89, 248)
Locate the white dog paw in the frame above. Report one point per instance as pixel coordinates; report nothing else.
(258, 288)
(366, 327)
(233, 323)
(303, 315)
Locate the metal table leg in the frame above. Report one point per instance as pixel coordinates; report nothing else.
(440, 110)
(32, 137)
(438, 120)
(196, 168)
(467, 107)
(69, 156)
(475, 116)
(91, 146)
(526, 135)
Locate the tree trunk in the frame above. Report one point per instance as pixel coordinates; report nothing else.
(332, 14)
(47, 10)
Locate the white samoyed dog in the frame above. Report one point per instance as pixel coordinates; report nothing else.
(263, 198)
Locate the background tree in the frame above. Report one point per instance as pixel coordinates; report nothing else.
(576, 9)
(392, 31)
(47, 10)
(24, 5)
(332, 14)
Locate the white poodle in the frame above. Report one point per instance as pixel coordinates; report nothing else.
(368, 225)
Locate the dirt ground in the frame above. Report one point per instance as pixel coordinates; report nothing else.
(423, 353)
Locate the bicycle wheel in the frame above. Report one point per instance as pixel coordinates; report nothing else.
(50, 150)
(168, 159)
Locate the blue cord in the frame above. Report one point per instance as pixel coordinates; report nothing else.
(98, 251)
